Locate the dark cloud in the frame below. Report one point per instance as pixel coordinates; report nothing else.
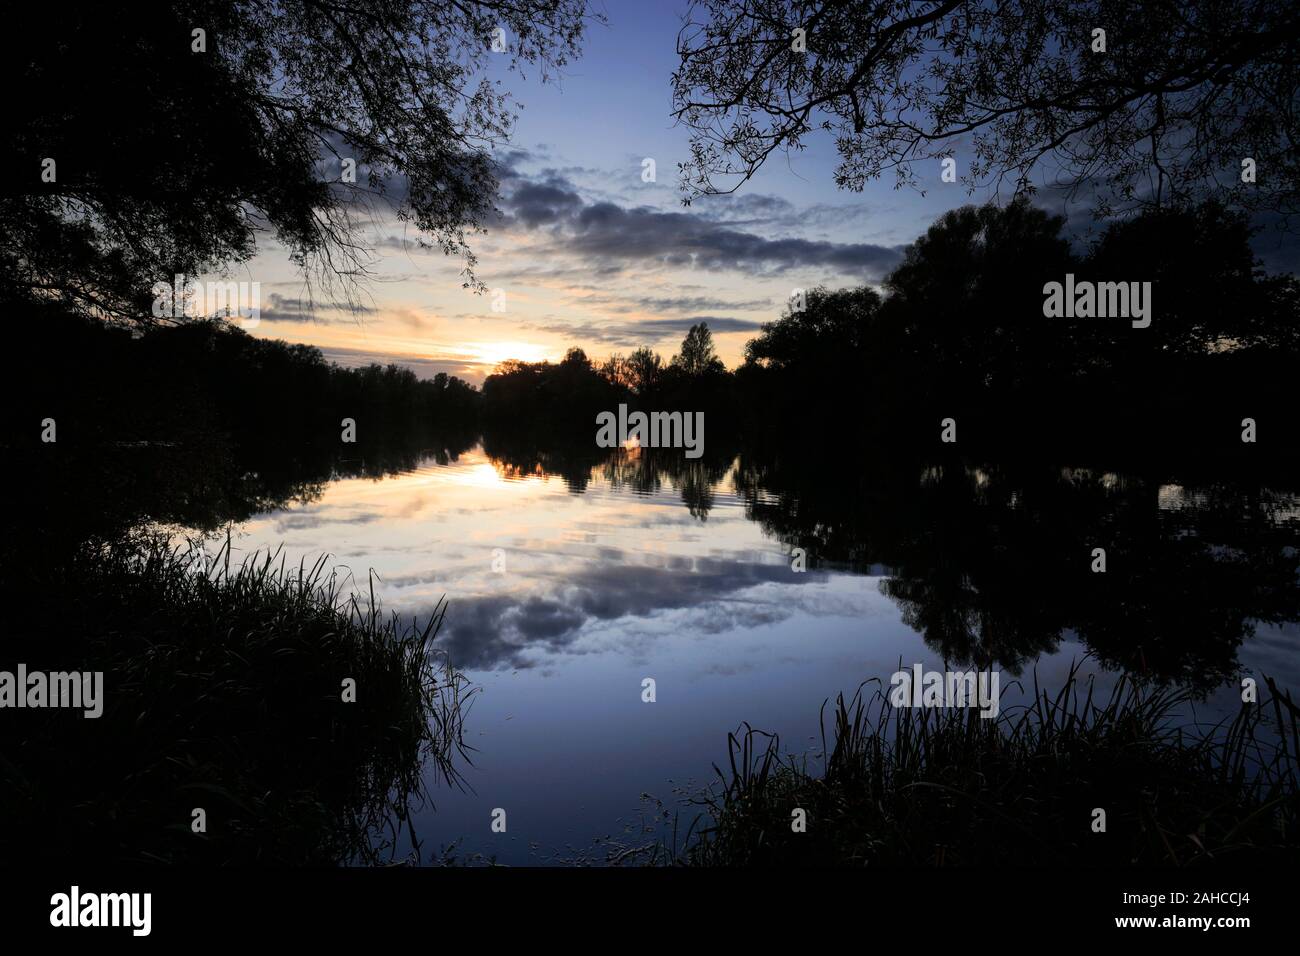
(607, 233)
(508, 162)
(694, 303)
(283, 309)
(538, 204)
(748, 209)
(647, 332)
(716, 323)
(616, 303)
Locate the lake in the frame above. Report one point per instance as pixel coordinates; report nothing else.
(573, 579)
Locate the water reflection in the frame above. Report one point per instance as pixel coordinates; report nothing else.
(532, 558)
(994, 564)
(991, 564)
(573, 573)
(642, 471)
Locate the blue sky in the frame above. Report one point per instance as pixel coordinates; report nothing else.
(588, 254)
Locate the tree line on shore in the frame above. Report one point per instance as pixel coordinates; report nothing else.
(956, 330)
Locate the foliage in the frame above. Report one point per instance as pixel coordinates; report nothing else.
(172, 160)
(1180, 95)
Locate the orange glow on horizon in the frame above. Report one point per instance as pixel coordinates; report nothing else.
(494, 353)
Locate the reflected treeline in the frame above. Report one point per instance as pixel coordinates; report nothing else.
(200, 425)
(520, 454)
(990, 561)
(648, 471)
(73, 491)
(642, 471)
(993, 563)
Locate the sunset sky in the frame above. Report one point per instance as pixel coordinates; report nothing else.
(588, 254)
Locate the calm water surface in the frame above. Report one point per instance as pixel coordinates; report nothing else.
(607, 581)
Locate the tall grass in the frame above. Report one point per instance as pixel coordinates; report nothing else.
(900, 786)
(223, 686)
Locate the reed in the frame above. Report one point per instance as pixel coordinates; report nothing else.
(900, 786)
(223, 688)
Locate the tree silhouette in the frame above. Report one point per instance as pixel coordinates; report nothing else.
(1213, 293)
(173, 150)
(961, 332)
(644, 369)
(990, 563)
(698, 357)
(1179, 97)
(827, 326)
(968, 297)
